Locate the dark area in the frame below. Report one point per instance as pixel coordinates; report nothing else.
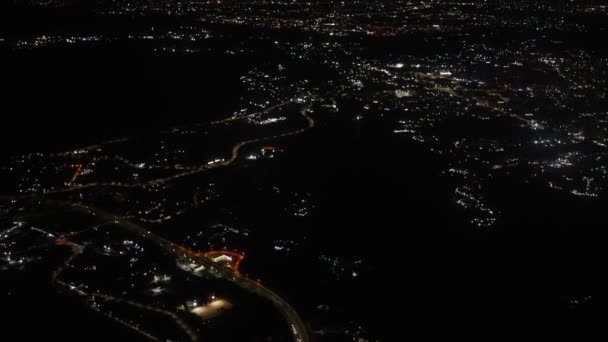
(388, 169)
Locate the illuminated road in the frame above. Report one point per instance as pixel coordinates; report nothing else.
(185, 327)
(295, 323)
(199, 168)
(76, 251)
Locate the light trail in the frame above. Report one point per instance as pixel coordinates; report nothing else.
(195, 169)
(294, 322)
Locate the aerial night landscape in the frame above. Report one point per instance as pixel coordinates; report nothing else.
(306, 171)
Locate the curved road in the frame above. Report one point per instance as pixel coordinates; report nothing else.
(295, 323)
(200, 168)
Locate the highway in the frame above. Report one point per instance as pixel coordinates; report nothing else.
(192, 170)
(296, 325)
